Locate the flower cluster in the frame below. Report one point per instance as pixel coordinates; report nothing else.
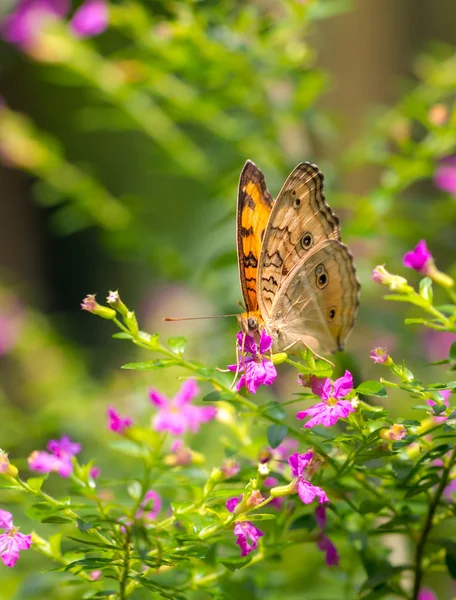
(23, 26)
(59, 459)
(333, 407)
(257, 369)
(11, 540)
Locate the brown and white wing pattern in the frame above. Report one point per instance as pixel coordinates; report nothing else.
(299, 222)
(317, 302)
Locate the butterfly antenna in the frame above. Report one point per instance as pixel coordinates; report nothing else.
(197, 318)
(242, 306)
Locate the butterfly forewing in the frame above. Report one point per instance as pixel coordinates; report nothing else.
(253, 210)
(300, 220)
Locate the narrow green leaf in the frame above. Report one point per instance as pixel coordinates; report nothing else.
(371, 388)
(452, 352)
(426, 289)
(177, 344)
(371, 506)
(276, 434)
(151, 365)
(122, 335)
(35, 483)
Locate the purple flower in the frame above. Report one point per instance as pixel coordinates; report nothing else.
(320, 516)
(256, 369)
(426, 594)
(450, 490)
(325, 545)
(245, 531)
(59, 460)
(11, 541)
(94, 472)
(116, 422)
(332, 408)
(90, 19)
(394, 433)
(231, 503)
(24, 25)
(419, 258)
(151, 497)
(306, 491)
(178, 415)
(230, 468)
(379, 355)
(445, 176)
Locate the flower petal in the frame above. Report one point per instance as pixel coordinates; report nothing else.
(343, 385)
(188, 391)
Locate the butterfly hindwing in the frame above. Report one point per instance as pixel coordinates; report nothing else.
(316, 305)
(253, 210)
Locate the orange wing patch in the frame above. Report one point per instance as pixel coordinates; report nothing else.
(253, 210)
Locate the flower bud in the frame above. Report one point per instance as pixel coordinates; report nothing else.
(91, 305)
(131, 322)
(381, 356)
(394, 433)
(394, 282)
(116, 303)
(6, 468)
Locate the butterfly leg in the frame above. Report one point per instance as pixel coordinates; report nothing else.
(241, 351)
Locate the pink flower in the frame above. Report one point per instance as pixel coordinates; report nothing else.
(256, 369)
(332, 408)
(245, 531)
(23, 26)
(379, 355)
(94, 472)
(151, 497)
(450, 490)
(426, 594)
(59, 460)
(95, 575)
(231, 503)
(11, 541)
(178, 415)
(394, 433)
(445, 176)
(325, 545)
(116, 422)
(230, 468)
(419, 258)
(306, 491)
(446, 400)
(90, 19)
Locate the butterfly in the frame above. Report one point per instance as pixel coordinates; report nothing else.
(298, 279)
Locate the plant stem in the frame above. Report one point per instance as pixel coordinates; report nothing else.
(428, 526)
(125, 570)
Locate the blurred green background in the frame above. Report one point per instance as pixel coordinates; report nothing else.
(121, 156)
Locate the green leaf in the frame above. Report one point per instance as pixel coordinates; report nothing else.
(218, 395)
(452, 352)
(122, 335)
(426, 289)
(416, 321)
(90, 563)
(56, 519)
(134, 490)
(177, 344)
(303, 522)
(151, 365)
(371, 506)
(276, 434)
(40, 511)
(450, 560)
(35, 483)
(371, 388)
(84, 525)
(55, 543)
(274, 410)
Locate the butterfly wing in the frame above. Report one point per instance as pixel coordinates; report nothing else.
(253, 210)
(303, 235)
(317, 303)
(300, 220)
